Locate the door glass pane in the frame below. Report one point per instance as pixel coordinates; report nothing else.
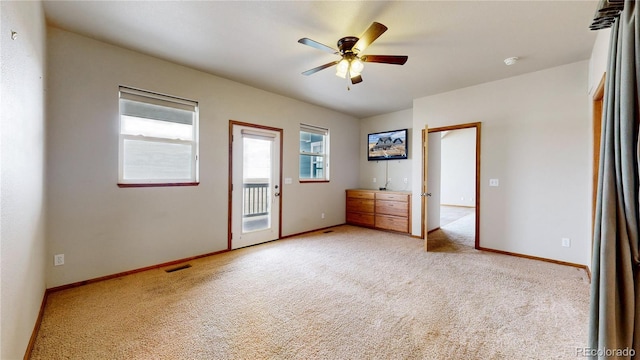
(256, 175)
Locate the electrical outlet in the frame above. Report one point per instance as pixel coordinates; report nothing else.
(566, 242)
(322, 215)
(494, 182)
(374, 180)
(405, 180)
(58, 259)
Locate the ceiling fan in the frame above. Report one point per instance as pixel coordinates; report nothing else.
(350, 48)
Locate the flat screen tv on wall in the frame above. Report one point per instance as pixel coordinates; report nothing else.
(388, 145)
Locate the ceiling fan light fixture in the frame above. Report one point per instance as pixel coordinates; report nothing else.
(357, 66)
(342, 68)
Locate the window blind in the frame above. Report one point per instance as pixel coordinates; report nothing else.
(142, 104)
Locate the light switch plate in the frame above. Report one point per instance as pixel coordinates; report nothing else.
(58, 259)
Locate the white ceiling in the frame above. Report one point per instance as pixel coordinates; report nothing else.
(450, 44)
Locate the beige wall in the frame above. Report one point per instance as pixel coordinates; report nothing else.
(536, 139)
(397, 170)
(597, 70)
(599, 59)
(22, 214)
(459, 168)
(103, 229)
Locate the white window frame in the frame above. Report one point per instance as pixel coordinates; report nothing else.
(324, 155)
(131, 94)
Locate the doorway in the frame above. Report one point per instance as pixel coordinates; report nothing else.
(451, 184)
(255, 158)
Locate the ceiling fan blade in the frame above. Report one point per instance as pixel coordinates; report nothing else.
(356, 79)
(386, 59)
(373, 32)
(317, 45)
(321, 67)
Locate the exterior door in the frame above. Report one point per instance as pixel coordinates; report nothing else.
(255, 185)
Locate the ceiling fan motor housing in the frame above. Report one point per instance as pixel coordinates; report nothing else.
(345, 45)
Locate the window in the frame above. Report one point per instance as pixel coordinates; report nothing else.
(158, 140)
(314, 153)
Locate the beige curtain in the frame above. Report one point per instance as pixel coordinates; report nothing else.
(614, 329)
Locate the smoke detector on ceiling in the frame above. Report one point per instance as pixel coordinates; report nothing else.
(510, 61)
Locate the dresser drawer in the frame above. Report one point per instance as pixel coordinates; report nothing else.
(360, 218)
(360, 194)
(360, 205)
(392, 196)
(388, 207)
(392, 223)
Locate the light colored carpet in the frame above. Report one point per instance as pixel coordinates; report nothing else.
(352, 293)
(455, 235)
(450, 213)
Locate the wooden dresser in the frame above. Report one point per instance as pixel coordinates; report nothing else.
(387, 210)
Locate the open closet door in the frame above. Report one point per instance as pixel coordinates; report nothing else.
(424, 195)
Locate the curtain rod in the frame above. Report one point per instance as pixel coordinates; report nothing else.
(606, 14)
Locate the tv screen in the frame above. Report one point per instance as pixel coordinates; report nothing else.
(389, 145)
